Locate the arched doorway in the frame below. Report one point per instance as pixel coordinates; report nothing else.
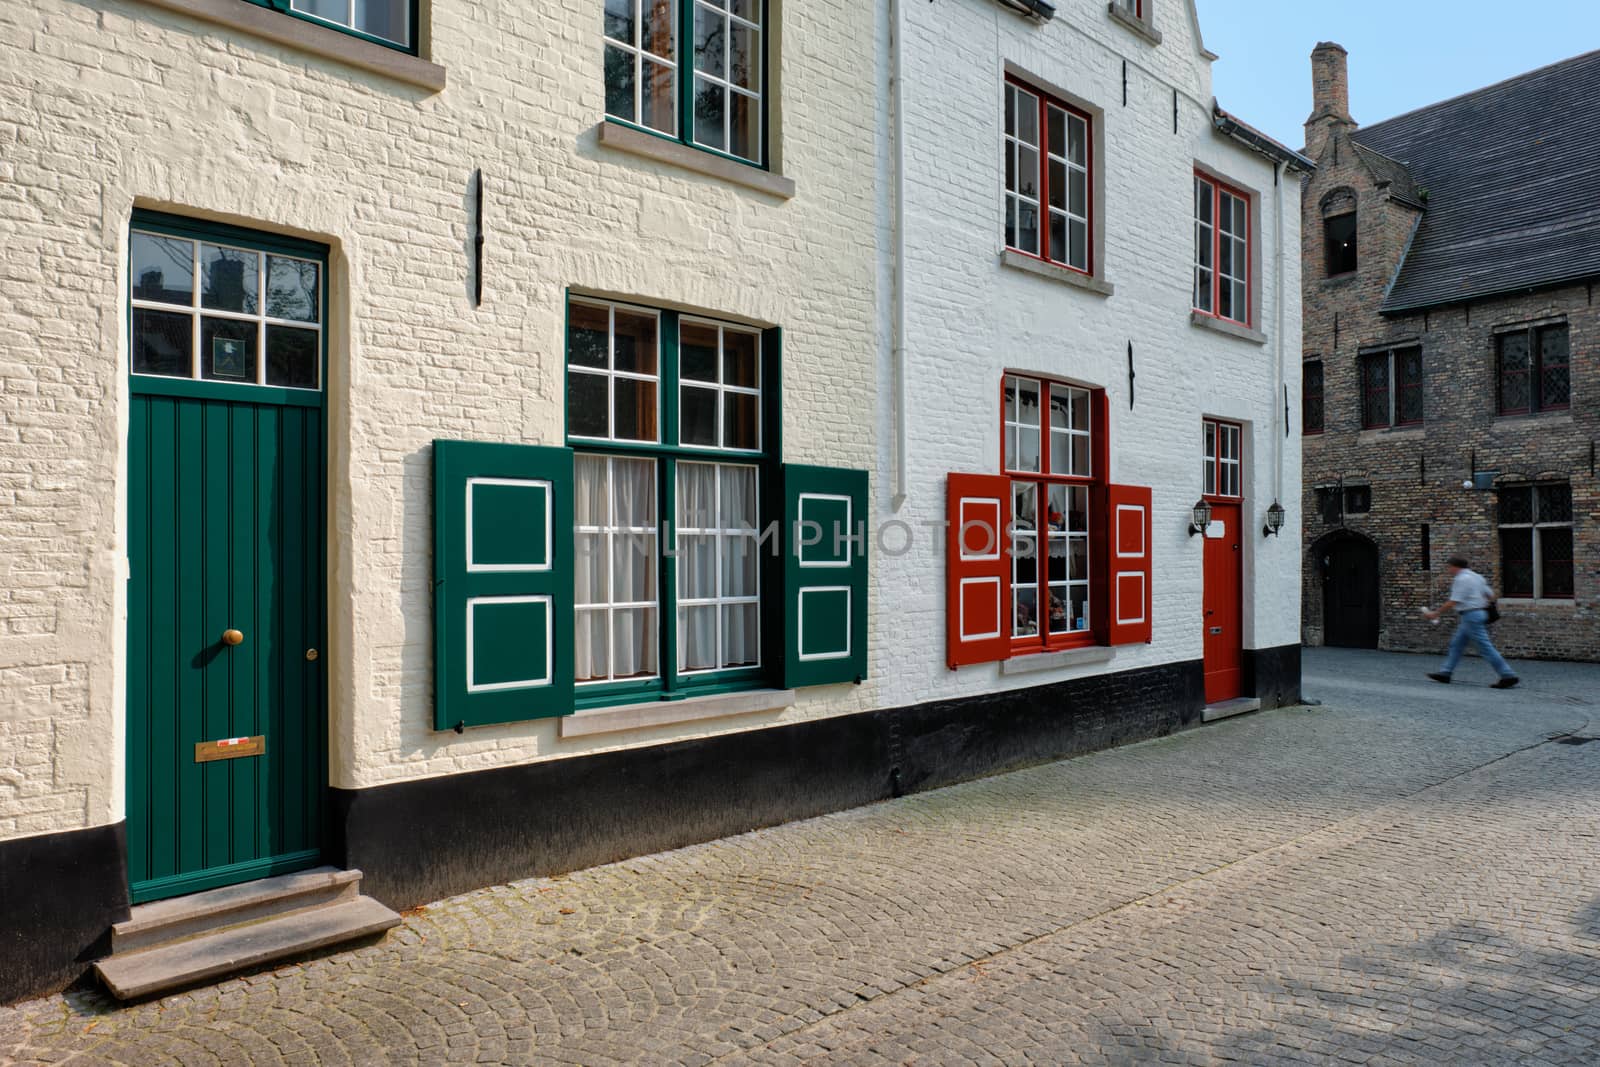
(1350, 602)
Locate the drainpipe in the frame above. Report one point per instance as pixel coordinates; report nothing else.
(1279, 415)
(898, 269)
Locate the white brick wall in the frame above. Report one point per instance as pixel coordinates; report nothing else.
(970, 319)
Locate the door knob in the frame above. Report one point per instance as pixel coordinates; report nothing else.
(311, 655)
(232, 637)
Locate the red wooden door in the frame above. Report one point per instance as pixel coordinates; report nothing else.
(1224, 615)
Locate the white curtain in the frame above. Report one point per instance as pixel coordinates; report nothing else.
(697, 565)
(615, 499)
(740, 628)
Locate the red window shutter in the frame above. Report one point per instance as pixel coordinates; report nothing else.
(1128, 551)
(978, 568)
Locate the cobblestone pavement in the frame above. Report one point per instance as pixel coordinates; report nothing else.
(1408, 873)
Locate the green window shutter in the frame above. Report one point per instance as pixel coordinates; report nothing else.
(825, 575)
(502, 583)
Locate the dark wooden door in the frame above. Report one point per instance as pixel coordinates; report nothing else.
(226, 742)
(1350, 594)
(1223, 600)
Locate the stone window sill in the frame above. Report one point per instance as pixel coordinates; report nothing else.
(637, 142)
(1515, 604)
(310, 38)
(1065, 275)
(1049, 661)
(1223, 326)
(1537, 420)
(1137, 25)
(610, 720)
(1390, 433)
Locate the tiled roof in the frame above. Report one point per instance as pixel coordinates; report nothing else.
(1511, 179)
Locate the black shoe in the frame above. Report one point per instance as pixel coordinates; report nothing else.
(1440, 676)
(1506, 683)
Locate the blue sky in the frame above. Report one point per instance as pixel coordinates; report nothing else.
(1402, 55)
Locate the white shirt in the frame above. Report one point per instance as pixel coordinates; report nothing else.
(1470, 592)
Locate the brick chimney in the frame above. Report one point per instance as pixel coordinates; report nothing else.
(1330, 97)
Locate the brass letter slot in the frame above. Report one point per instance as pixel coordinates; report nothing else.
(229, 748)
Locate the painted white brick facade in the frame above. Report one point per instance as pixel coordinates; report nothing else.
(970, 318)
(118, 104)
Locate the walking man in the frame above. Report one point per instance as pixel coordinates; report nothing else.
(1470, 595)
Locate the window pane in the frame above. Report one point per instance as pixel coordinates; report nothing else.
(619, 82)
(593, 644)
(1375, 390)
(1078, 245)
(384, 18)
(697, 496)
(1555, 561)
(635, 342)
(1027, 458)
(227, 350)
(1554, 376)
(708, 114)
(586, 405)
(161, 343)
(1203, 199)
(1555, 503)
(1027, 401)
(635, 410)
(744, 58)
(1078, 182)
(1339, 241)
(162, 268)
(1078, 510)
(1080, 607)
(1079, 551)
(1024, 517)
(697, 638)
(1027, 117)
(658, 35)
(1058, 185)
(710, 42)
(588, 332)
(230, 279)
(1311, 397)
(1516, 562)
(739, 566)
(634, 642)
(697, 352)
(697, 567)
(633, 560)
(633, 490)
(1056, 131)
(294, 289)
(1059, 250)
(1060, 453)
(741, 635)
(619, 20)
(659, 97)
(593, 569)
(744, 125)
(740, 358)
(591, 498)
(697, 420)
(1516, 504)
(1514, 385)
(292, 357)
(741, 427)
(738, 500)
(1078, 141)
(1027, 618)
(1060, 612)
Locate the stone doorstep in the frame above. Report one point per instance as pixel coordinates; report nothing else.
(1225, 708)
(194, 960)
(179, 918)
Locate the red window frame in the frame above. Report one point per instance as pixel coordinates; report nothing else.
(1394, 389)
(1218, 187)
(1534, 372)
(1094, 484)
(1046, 101)
(1211, 451)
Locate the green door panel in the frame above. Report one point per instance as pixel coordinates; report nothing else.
(825, 535)
(225, 533)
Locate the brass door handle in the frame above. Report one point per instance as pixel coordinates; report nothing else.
(232, 637)
(311, 655)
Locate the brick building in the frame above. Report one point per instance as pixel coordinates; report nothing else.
(1452, 359)
(451, 445)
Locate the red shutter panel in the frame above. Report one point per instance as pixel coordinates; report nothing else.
(1128, 522)
(978, 568)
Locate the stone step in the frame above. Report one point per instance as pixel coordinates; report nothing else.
(166, 967)
(1225, 708)
(163, 921)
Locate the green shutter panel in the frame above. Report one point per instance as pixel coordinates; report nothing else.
(502, 583)
(825, 537)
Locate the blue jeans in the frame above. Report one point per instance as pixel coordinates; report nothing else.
(1474, 627)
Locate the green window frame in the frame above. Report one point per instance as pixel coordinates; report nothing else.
(256, 303)
(676, 416)
(358, 18)
(725, 65)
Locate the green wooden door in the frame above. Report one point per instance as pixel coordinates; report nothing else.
(226, 520)
(226, 739)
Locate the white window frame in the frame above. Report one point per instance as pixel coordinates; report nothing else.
(725, 83)
(720, 535)
(1049, 480)
(1045, 153)
(302, 7)
(1224, 459)
(1209, 233)
(641, 55)
(197, 310)
(611, 531)
(720, 386)
(611, 374)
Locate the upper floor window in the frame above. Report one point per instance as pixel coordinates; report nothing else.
(1132, 7)
(1339, 242)
(1221, 250)
(1048, 164)
(711, 94)
(388, 22)
(1534, 371)
(222, 305)
(1048, 447)
(1391, 388)
(1311, 396)
(1536, 540)
(1223, 462)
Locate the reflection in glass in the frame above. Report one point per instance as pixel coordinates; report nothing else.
(292, 357)
(586, 405)
(588, 333)
(162, 269)
(635, 350)
(161, 343)
(697, 419)
(227, 350)
(293, 289)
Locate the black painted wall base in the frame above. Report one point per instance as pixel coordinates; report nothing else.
(1273, 674)
(59, 895)
(419, 841)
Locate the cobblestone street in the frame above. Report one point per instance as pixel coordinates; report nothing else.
(1408, 873)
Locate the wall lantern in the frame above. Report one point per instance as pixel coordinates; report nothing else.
(1274, 520)
(1199, 517)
